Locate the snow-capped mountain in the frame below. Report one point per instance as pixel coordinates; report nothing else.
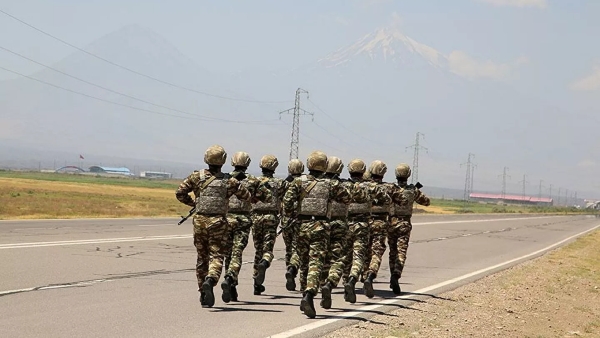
(387, 45)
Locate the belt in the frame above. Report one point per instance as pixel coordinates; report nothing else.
(246, 213)
(380, 215)
(312, 218)
(265, 212)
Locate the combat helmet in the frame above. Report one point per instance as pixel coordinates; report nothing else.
(240, 159)
(215, 155)
(403, 171)
(334, 165)
(295, 167)
(357, 166)
(269, 162)
(317, 160)
(378, 168)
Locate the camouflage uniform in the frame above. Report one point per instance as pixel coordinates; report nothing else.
(400, 224)
(358, 222)
(266, 219)
(295, 169)
(212, 190)
(241, 224)
(313, 193)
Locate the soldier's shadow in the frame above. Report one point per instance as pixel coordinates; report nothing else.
(425, 295)
(360, 319)
(235, 309)
(243, 302)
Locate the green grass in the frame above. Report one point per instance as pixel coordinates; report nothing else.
(93, 179)
(459, 206)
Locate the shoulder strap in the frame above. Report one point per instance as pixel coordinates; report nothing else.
(207, 182)
(309, 188)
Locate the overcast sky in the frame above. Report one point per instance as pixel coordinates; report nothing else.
(543, 50)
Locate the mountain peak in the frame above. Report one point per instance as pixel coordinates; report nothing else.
(386, 44)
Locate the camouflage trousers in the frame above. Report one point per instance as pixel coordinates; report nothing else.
(337, 249)
(240, 225)
(211, 237)
(302, 267)
(398, 237)
(358, 247)
(264, 233)
(378, 235)
(311, 246)
(289, 238)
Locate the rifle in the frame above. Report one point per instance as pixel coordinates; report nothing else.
(183, 219)
(418, 185)
(290, 223)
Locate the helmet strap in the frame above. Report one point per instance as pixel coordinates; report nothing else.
(267, 172)
(214, 169)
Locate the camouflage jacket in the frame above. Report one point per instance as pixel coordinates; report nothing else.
(367, 193)
(409, 195)
(194, 181)
(259, 192)
(277, 188)
(293, 196)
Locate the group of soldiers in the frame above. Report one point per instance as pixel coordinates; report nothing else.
(334, 229)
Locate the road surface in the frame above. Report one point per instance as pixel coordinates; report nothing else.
(135, 277)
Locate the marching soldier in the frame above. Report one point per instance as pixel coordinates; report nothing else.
(265, 216)
(313, 194)
(400, 223)
(295, 170)
(240, 222)
(359, 213)
(212, 190)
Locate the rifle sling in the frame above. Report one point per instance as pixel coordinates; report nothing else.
(207, 182)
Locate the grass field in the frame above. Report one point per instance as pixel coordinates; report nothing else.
(51, 195)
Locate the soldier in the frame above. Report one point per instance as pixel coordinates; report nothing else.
(240, 222)
(379, 227)
(266, 218)
(212, 190)
(333, 266)
(400, 225)
(295, 170)
(313, 194)
(359, 213)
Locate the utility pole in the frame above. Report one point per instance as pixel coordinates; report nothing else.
(504, 176)
(524, 181)
(468, 176)
(296, 111)
(415, 169)
(540, 191)
(558, 200)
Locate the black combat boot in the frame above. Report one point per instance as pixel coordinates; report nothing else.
(350, 290)
(262, 269)
(308, 306)
(302, 303)
(226, 286)
(368, 285)
(290, 276)
(234, 294)
(394, 285)
(258, 289)
(326, 295)
(202, 298)
(207, 288)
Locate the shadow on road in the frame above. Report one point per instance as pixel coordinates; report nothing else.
(426, 295)
(235, 309)
(243, 302)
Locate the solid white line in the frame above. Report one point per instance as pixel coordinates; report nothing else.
(323, 322)
(154, 238)
(91, 241)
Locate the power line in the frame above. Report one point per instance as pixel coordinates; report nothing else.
(126, 95)
(134, 71)
(416, 146)
(104, 100)
(504, 176)
(297, 111)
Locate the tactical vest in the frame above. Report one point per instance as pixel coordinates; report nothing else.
(275, 203)
(406, 209)
(316, 197)
(237, 206)
(337, 209)
(381, 209)
(211, 197)
(360, 208)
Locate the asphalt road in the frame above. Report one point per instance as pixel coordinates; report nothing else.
(135, 277)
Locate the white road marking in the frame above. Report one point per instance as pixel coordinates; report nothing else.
(92, 241)
(167, 237)
(323, 322)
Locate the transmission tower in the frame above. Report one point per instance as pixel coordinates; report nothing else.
(524, 181)
(540, 191)
(504, 176)
(473, 166)
(550, 192)
(415, 169)
(468, 176)
(296, 111)
(567, 197)
(558, 201)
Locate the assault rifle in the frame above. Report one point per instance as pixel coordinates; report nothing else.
(418, 185)
(289, 223)
(183, 219)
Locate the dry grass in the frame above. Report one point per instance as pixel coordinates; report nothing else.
(557, 295)
(30, 198)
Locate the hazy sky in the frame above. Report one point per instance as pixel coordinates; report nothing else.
(543, 51)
